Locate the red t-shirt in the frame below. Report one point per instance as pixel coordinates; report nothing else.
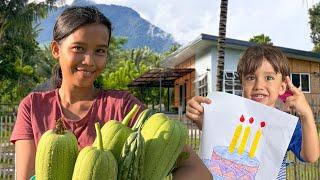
(39, 111)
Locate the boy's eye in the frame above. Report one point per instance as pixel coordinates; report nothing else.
(249, 78)
(269, 78)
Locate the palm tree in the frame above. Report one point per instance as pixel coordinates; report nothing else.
(261, 39)
(221, 43)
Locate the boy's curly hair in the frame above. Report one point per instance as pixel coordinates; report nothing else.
(253, 57)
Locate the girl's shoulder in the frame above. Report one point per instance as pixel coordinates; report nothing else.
(117, 97)
(40, 97)
(115, 94)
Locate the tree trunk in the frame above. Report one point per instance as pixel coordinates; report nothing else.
(221, 43)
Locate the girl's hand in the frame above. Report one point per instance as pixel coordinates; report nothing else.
(297, 102)
(195, 109)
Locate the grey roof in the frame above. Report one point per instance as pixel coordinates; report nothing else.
(313, 55)
(205, 40)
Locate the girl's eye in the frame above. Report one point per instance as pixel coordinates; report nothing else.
(78, 49)
(101, 51)
(269, 78)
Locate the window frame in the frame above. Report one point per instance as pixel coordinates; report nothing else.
(300, 79)
(234, 90)
(202, 85)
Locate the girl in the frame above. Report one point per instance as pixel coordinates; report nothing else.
(80, 40)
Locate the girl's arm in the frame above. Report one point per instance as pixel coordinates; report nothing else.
(25, 159)
(191, 168)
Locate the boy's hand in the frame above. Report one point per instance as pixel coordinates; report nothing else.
(297, 102)
(195, 109)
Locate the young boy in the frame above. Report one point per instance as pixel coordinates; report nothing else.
(264, 74)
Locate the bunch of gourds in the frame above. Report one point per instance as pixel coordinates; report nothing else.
(147, 151)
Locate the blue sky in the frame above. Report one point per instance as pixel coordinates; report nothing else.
(285, 21)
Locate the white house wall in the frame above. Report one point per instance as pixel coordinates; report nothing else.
(232, 57)
(203, 65)
(231, 61)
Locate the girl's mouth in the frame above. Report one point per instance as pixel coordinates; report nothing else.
(85, 73)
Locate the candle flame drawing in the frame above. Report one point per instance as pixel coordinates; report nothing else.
(236, 135)
(256, 140)
(245, 137)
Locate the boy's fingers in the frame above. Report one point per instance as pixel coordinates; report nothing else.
(290, 103)
(192, 110)
(194, 117)
(291, 87)
(290, 98)
(192, 104)
(201, 99)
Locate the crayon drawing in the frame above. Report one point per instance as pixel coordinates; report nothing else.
(242, 139)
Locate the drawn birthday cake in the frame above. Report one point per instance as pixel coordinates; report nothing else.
(229, 162)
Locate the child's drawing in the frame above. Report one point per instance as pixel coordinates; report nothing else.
(247, 141)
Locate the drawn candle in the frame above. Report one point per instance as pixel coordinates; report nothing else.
(256, 140)
(245, 137)
(236, 135)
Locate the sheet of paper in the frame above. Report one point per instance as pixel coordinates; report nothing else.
(243, 139)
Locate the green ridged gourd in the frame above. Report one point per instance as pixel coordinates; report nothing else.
(95, 163)
(115, 133)
(165, 139)
(56, 154)
(132, 157)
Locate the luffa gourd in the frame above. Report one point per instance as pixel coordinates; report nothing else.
(115, 133)
(95, 163)
(164, 139)
(56, 154)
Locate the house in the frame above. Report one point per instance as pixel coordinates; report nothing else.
(201, 55)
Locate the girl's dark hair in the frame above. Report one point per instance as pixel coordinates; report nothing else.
(253, 57)
(69, 21)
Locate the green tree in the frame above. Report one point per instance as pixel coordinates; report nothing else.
(124, 75)
(314, 21)
(261, 39)
(172, 49)
(18, 47)
(115, 53)
(125, 65)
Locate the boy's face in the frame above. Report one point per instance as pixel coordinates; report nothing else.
(264, 86)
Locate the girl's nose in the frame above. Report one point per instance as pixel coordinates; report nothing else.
(88, 58)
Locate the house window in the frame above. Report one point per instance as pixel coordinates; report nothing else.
(202, 85)
(231, 83)
(301, 79)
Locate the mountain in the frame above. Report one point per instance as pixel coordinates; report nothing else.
(125, 21)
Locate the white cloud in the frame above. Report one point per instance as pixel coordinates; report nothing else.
(285, 21)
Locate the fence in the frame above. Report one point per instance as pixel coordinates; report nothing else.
(296, 169)
(7, 119)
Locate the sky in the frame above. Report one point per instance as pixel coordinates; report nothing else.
(284, 21)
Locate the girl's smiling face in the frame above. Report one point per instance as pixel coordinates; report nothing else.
(264, 85)
(82, 55)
